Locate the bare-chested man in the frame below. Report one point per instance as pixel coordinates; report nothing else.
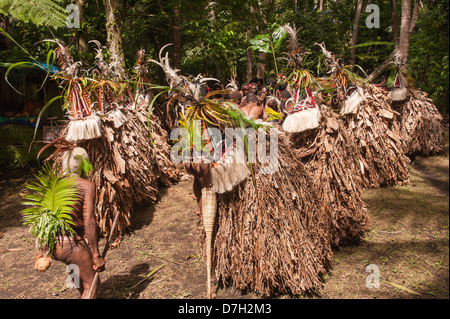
(75, 250)
(252, 109)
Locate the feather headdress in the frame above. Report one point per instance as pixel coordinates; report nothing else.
(180, 82)
(344, 85)
(199, 117)
(295, 53)
(84, 124)
(305, 115)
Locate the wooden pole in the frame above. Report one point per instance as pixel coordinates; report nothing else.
(108, 240)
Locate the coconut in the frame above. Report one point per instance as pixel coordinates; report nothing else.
(43, 263)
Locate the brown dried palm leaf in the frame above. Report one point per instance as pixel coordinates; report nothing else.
(376, 131)
(127, 170)
(331, 157)
(273, 238)
(421, 125)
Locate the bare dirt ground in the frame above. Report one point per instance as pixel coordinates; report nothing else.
(159, 259)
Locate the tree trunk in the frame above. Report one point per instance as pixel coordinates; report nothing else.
(375, 74)
(359, 6)
(113, 9)
(404, 37)
(260, 73)
(5, 42)
(394, 15)
(249, 71)
(81, 40)
(405, 29)
(407, 25)
(415, 16)
(177, 36)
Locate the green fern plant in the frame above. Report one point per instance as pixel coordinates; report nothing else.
(50, 213)
(43, 12)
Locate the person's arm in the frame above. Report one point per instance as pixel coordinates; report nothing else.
(264, 115)
(90, 226)
(243, 102)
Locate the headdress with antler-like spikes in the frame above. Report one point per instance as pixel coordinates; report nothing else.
(104, 70)
(174, 80)
(232, 84)
(304, 115)
(331, 61)
(141, 64)
(179, 82)
(296, 53)
(65, 60)
(343, 84)
(84, 124)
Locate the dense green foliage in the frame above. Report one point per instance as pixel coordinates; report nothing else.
(216, 35)
(43, 12)
(429, 51)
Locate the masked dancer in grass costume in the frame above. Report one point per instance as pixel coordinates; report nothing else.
(370, 122)
(325, 149)
(260, 216)
(421, 122)
(130, 155)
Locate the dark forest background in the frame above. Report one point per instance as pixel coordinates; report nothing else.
(234, 38)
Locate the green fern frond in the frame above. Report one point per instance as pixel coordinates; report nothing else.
(39, 12)
(51, 201)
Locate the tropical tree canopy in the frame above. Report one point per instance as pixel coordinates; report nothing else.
(226, 39)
